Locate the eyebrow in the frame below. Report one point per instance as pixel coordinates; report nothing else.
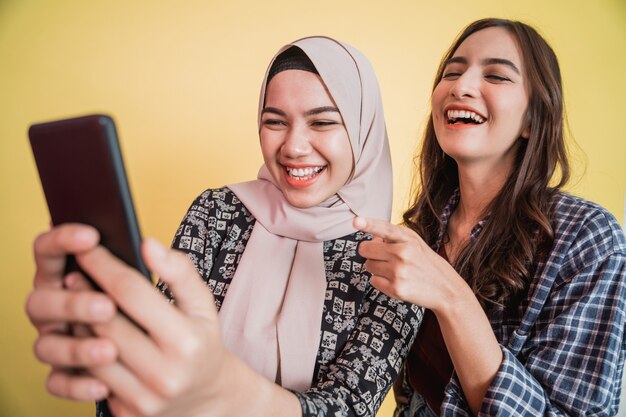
(485, 62)
(319, 110)
(273, 110)
(312, 112)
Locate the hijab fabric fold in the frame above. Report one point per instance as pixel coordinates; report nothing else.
(272, 313)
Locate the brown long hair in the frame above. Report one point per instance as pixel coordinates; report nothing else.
(497, 265)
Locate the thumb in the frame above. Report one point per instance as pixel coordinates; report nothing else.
(191, 295)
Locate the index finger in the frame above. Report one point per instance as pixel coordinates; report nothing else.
(134, 294)
(388, 232)
(51, 249)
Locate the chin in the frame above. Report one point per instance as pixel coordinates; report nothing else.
(302, 201)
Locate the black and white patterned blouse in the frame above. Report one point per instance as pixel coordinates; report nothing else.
(365, 335)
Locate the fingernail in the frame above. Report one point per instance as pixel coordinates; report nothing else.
(156, 248)
(98, 391)
(359, 222)
(70, 281)
(84, 234)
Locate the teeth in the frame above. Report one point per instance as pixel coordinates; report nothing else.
(454, 115)
(302, 173)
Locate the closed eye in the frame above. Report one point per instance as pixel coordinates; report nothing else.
(497, 78)
(273, 122)
(451, 75)
(324, 123)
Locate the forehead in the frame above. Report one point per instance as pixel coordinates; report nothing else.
(297, 86)
(493, 42)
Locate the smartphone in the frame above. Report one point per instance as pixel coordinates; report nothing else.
(84, 181)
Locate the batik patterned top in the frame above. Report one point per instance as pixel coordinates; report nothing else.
(365, 335)
(563, 345)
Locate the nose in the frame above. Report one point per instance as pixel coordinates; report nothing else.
(296, 144)
(466, 86)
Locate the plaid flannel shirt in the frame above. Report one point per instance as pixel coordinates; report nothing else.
(563, 345)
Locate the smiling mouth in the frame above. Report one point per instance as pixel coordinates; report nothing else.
(464, 117)
(304, 174)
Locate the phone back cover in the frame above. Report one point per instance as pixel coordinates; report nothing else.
(83, 177)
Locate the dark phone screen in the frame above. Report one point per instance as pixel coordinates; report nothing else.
(83, 177)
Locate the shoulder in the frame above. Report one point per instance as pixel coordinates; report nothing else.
(574, 218)
(219, 203)
(222, 198)
(584, 232)
(213, 214)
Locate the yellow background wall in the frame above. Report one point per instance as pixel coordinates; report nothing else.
(181, 79)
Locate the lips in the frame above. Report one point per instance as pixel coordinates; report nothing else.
(303, 174)
(464, 116)
(302, 177)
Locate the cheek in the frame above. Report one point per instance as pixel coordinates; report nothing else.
(513, 107)
(343, 157)
(439, 94)
(511, 120)
(437, 102)
(270, 145)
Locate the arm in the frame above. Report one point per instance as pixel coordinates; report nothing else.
(403, 266)
(471, 343)
(214, 222)
(146, 371)
(370, 361)
(335, 389)
(567, 355)
(571, 362)
(176, 366)
(138, 356)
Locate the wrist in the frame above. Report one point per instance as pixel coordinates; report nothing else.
(471, 343)
(455, 297)
(230, 383)
(244, 392)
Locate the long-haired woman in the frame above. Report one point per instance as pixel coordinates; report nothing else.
(525, 285)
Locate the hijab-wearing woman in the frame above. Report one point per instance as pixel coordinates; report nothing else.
(525, 285)
(279, 255)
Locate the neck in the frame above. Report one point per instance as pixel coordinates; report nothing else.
(479, 184)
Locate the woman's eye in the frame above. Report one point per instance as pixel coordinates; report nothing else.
(497, 78)
(321, 123)
(451, 75)
(273, 122)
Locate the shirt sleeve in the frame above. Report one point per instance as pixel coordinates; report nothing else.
(203, 231)
(363, 372)
(572, 365)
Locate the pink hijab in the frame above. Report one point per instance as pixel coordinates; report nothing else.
(271, 316)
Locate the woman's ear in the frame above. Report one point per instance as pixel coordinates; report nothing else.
(526, 133)
(527, 124)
